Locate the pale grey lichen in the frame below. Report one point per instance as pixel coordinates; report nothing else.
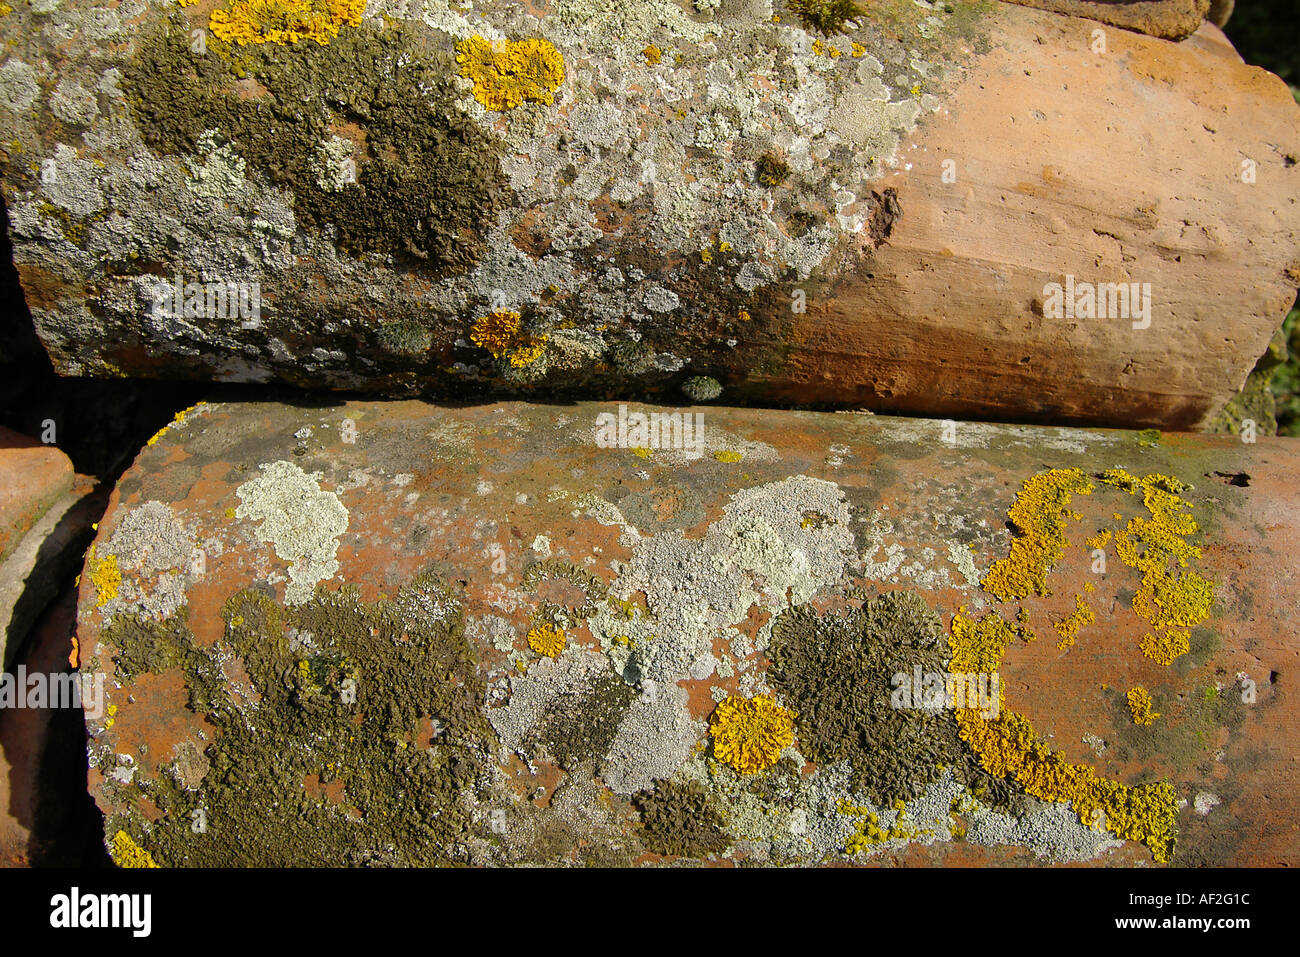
(73, 103)
(18, 86)
(156, 555)
(300, 519)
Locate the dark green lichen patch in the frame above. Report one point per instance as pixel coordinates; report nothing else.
(680, 820)
(422, 183)
(364, 743)
(578, 728)
(771, 170)
(146, 646)
(836, 671)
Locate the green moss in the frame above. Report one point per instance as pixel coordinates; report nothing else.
(835, 672)
(364, 741)
(1256, 400)
(679, 820)
(406, 337)
(428, 181)
(827, 17)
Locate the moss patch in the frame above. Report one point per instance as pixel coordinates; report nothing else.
(427, 181)
(364, 743)
(680, 820)
(835, 672)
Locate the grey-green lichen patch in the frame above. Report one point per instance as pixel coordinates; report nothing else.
(763, 551)
(702, 388)
(366, 744)
(1052, 830)
(220, 171)
(300, 519)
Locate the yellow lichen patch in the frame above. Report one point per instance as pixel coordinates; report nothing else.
(496, 332)
(528, 353)
(749, 734)
(180, 417)
(1038, 514)
(510, 74)
(1170, 601)
(1139, 703)
(1100, 540)
(1008, 747)
(1069, 627)
(978, 646)
(1164, 647)
(547, 640)
(868, 832)
(501, 334)
(127, 853)
(727, 455)
(641, 452)
(652, 54)
(284, 21)
(105, 576)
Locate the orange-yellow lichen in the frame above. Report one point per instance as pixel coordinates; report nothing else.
(868, 832)
(501, 334)
(125, 852)
(1170, 601)
(1038, 515)
(1070, 626)
(1008, 747)
(527, 353)
(652, 54)
(180, 417)
(727, 455)
(547, 639)
(1166, 646)
(284, 21)
(978, 646)
(749, 734)
(510, 74)
(496, 332)
(1141, 706)
(105, 575)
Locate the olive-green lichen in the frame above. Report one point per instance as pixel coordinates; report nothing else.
(836, 671)
(580, 727)
(358, 737)
(680, 820)
(591, 587)
(426, 181)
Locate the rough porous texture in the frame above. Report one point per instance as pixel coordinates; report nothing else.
(777, 202)
(754, 644)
